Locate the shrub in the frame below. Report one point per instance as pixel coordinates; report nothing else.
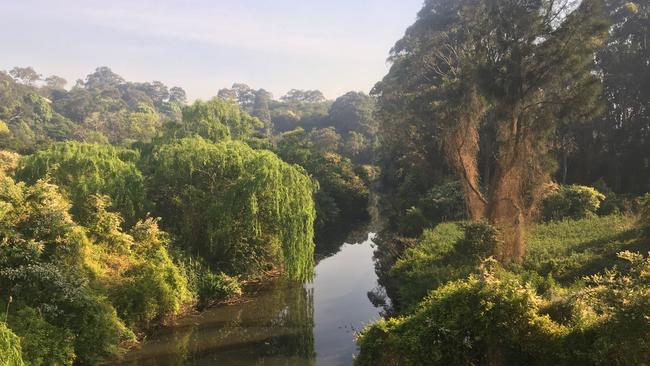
(136, 268)
(206, 286)
(413, 223)
(217, 286)
(43, 344)
(444, 202)
(490, 318)
(571, 202)
(10, 350)
(644, 214)
(441, 203)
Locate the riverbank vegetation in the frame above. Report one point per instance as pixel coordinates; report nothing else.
(487, 261)
(123, 207)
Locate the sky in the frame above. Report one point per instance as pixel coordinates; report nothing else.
(201, 45)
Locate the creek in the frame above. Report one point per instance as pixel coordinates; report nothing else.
(281, 324)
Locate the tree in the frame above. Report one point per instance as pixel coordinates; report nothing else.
(296, 96)
(518, 64)
(177, 95)
(353, 112)
(217, 120)
(83, 170)
(243, 210)
(55, 82)
(325, 139)
(103, 78)
(26, 75)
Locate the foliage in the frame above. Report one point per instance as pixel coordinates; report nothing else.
(441, 203)
(447, 252)
(8, 162)
(143, 282)
(10, 350)
(571, 202)
(216, 120)
(207, 286)
(83, 170)
(644, 213)
(42, 266)
(42, 343)
(489, 318)
(573, 300)
(243, 210)
(496, 317)
(342, 196)
(28, 120)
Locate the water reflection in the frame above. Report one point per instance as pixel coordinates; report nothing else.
(284, 324)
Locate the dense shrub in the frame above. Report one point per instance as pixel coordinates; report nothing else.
(43, 344)
(573, 302)
(10, 350)
(441, 203)
(67, 280)
(143, 282)
(206, 286)
(489, 319)
(571, 202)
(83, 170)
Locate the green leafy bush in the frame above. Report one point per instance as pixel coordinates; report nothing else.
(490, 318)
(143, 282)
(43, 344)
(441, 203)
(571, 202)
(10, 350)
(207, 286)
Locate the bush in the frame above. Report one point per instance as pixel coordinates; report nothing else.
(644, 214)
(441, 203)
(444, 202)
(571, 202)
(217, 287)
(43, 344)
(206, 286)
(10, 350)
(490, 318)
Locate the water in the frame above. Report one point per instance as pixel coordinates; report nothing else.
(284, 324)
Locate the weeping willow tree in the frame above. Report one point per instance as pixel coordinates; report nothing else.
(244, 210)
(83, 170)
(519, 66)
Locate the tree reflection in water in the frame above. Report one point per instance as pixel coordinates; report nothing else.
(275, 328)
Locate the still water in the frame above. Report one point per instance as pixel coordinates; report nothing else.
(284, 324)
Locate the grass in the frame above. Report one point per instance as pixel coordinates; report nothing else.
(571, 249)
(564, 251)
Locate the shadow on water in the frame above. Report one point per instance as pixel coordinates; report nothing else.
(284, 324)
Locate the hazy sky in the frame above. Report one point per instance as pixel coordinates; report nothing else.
(203, 45)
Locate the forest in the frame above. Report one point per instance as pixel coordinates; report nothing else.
(508, 146)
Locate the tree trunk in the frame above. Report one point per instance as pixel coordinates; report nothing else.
(506, 208)
(461, 145)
